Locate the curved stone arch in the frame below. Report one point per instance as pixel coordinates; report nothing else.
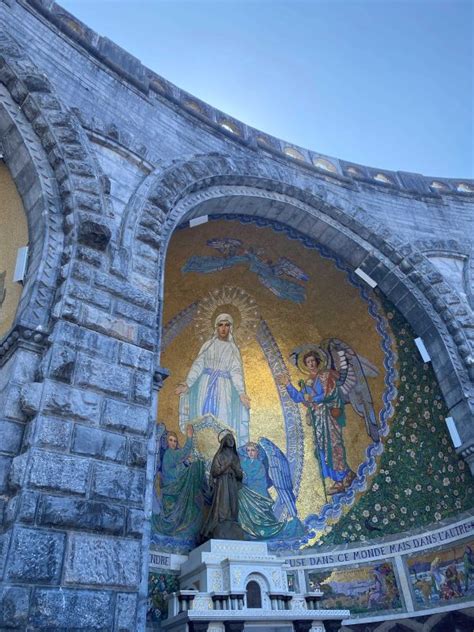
(215, 184)
(50, 161)
(36, 185)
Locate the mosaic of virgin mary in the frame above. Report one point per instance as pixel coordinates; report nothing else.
(215, 383)
(305, 403)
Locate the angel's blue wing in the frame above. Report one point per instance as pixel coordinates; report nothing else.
(206, 265)
(288, 267)
(278, 470)
(282, 288)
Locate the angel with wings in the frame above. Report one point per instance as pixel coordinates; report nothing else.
(265, 466)
(283, 277)
(337, 376)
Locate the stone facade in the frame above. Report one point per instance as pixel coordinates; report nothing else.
(109, 158)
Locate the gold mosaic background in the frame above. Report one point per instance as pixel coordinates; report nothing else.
(333, 308)
(13, 235)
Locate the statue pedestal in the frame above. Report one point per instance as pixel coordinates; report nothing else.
(237, 585)
(219, 565)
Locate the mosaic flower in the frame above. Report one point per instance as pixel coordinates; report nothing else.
(410, 472)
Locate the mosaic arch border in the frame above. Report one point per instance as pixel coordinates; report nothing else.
(334, 509)
(48, 156)
(259, 187)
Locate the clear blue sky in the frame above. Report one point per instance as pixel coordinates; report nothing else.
(383, 83)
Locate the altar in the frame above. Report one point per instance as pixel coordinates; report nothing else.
(230, 586)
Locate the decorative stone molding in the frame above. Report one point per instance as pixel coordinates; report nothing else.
(403, 273)
(21, 336)
(72, 197)
(130, 69)
(454, 249)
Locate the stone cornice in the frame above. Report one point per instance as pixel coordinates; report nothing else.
(143, 79)
(22, 336)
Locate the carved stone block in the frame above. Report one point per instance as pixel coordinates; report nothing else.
(61, 473)
(35, 556)
(102, 561)
(125, 417)
(14, 603)
(98, 443)
(64, 608)
(66, 401)
(125, 613)
(103, 376)
(118, 483)
(57, 511)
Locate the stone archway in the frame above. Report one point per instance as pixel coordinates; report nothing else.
(214, 184)
(48, 156)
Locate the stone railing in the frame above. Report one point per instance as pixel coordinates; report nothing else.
(230, 603)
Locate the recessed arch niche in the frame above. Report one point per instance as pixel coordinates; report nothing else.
(283, 292)
(13, 235)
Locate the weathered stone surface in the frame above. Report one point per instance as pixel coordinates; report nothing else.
(109, 378)
(10, 403)
(5, 464)
(125, 612)
(14, 604)
(104, 323)
(125, 290)
(91, 295)
(18, 470)
(4, 542)
(135, 522)
(20, 368)
(35, 556)
(64, 401)
(98, 443)
(30, 397)
(118, 483)
(125, 417)
(51, 432)
(94, 233)
(142, 388)
(11, 434)
(61, 364)
(22, 508)
(137, 314)
(146, 337)
(137, 453)
(58, 511)
(102, 561)
(62, 473)
(135, 357)
(86, 340)
(66, 609)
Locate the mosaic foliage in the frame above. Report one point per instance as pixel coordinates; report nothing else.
(421, 480)
(159, 586)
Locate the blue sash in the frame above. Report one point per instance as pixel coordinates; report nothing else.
(210, 403)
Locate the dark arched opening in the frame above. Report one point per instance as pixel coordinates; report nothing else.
(254, 595)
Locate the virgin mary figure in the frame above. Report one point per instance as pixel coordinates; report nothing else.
(215, 383)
